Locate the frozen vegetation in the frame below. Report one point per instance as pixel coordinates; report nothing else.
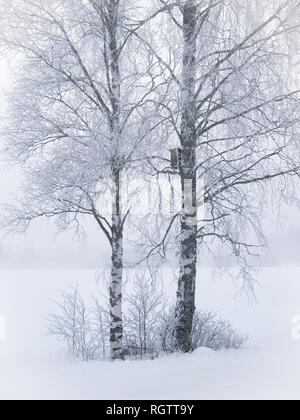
(34, 365)
(171, 129)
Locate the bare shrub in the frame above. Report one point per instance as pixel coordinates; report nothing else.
(143, 317)
(149, 325)
(211, 331)
(80, 327)
(149, 322)
(101, 329)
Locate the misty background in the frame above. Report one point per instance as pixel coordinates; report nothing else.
(41, 247)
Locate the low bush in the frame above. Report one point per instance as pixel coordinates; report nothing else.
(149, 323)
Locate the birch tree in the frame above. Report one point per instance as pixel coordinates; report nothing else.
(233, 110)
(78, 117)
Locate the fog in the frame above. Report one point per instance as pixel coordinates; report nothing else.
(41, 247)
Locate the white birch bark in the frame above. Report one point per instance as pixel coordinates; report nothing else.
(185, 306)
(116, 328)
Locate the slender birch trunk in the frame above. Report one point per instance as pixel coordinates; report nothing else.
(116, 327)
(185, 305)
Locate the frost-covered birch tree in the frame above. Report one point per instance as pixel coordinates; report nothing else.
(78, 116)
(233, 110)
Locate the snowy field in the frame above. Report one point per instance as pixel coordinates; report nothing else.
(34, 366)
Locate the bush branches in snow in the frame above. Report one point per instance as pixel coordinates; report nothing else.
(210, 330)
(83, 329)
(149, 322)
(105, 88)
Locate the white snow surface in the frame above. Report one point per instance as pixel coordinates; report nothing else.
(34, 366)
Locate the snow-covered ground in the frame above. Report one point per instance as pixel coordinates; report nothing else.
(34, 366)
